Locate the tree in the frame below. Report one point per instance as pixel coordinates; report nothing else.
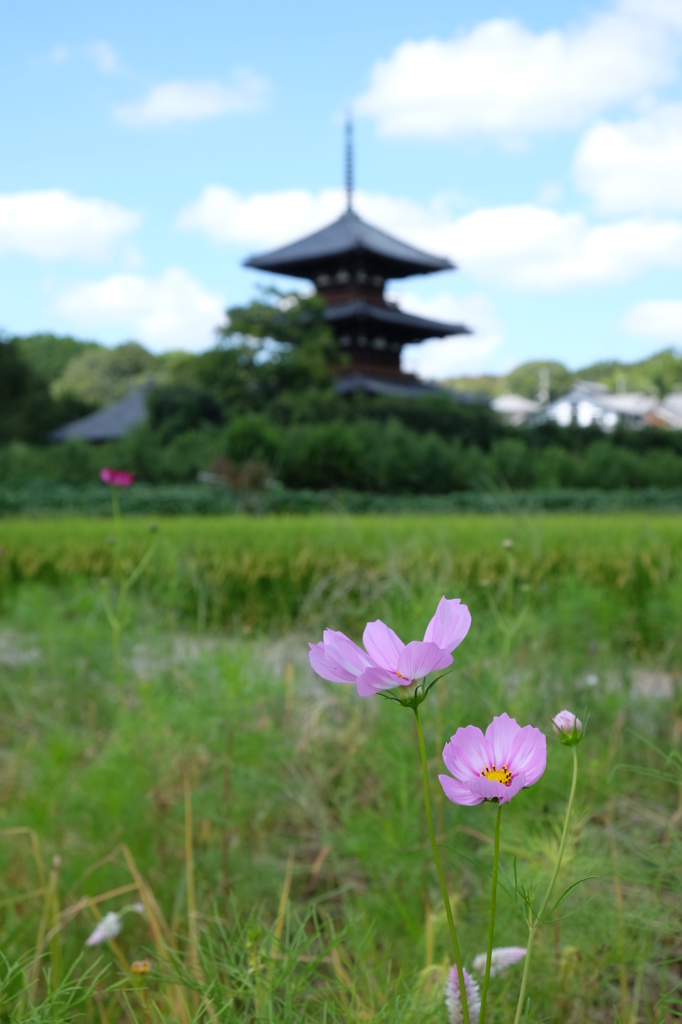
(282, 341)
(49, 354)
(100, 376)
(27, 410)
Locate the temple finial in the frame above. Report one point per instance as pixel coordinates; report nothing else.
(349, 161)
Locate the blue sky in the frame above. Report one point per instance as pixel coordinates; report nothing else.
(148, 148)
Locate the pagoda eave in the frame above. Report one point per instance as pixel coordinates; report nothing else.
(394, 323)
(348, 246)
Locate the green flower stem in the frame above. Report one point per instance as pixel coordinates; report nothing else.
(493, 904)
(439, 869)
(534, 925)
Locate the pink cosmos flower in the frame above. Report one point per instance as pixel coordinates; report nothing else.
(453, 998)
(116, 477)
(387, 662)
(495, 766)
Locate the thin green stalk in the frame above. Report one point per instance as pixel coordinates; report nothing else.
(493, 904)
(439, 870)
(115, 506)
(534, 925)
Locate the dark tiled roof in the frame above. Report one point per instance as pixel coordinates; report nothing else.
(107, 424)
(410, 387)
(348, 241)
(401, 326)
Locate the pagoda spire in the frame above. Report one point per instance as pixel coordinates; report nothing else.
(349, 161)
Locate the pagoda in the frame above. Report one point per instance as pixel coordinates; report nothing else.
(349, 262)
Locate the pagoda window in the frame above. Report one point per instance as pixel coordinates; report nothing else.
(342, 277)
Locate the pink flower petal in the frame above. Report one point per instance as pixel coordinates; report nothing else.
(326, 666)
(337, 658)
(529, 754)
(418, 659)
(458, 792)
(382, 644)
(449, 625)
(500, 736)
(374, 679)
(348, 653)
(467, 753)
(489, 789)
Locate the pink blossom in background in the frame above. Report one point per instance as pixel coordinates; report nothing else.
(500, 959)
(495, 766)
(116, 477)
(387, 662)
(453, 998)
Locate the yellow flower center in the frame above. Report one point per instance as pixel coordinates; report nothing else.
(502, 774)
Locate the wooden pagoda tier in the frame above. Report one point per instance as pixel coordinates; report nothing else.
(349, 262)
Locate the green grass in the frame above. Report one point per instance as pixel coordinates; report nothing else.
(293, 778)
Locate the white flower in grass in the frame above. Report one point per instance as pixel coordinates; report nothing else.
(453, 998)
(108, 928)
(503, 957)
(111, 924)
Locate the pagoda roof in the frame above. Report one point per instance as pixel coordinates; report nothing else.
(401, 326)
(349, 240)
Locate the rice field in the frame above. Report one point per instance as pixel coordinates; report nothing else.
(164, 742)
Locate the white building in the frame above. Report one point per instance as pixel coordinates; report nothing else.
(589, 404)
(514, 409)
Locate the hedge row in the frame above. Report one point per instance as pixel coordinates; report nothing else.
(45, 499)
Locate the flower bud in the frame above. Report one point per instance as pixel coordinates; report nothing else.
(568, 728)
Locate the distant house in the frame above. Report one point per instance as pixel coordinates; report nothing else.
(589, 404)
(515, 409)
(668, 413)
(108, 424)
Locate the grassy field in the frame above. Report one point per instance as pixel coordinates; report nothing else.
(272, 823)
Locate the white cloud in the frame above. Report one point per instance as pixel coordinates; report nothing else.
(532, 248)
(504, 80)
(634, 166)
(458, 355)
(58, 225)
(656, 319)
(264, 218)
(173, 311)
(172, 102)
(105, 58)
(526, 247)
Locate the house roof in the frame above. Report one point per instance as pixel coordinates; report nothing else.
(512, 405)
(404, 327)
(349, 242)
(107, 424)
